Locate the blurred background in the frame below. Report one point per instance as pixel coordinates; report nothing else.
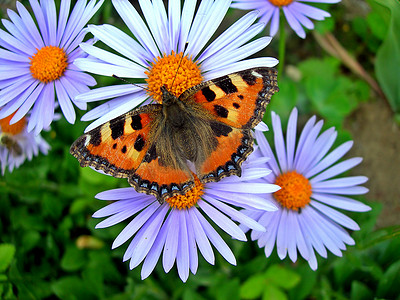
(346, 72)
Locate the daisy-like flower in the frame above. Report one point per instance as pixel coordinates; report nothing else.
(296, 13)
(165, 45)
(36, 64)
(310, 191)
(17, 144)
(178, 227)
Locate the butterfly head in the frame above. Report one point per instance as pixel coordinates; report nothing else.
(168, 98)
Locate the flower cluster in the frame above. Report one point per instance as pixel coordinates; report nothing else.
(287, 195)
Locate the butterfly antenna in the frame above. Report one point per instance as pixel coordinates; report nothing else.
(126, 81)
(179, 65)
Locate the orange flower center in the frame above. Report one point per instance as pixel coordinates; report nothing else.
(280, 2)
(295, 190)
(48, 64)
(189, 199)
(163, 71)
(13, 129)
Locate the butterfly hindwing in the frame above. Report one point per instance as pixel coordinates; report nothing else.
(234, 145)
(239, 99)
(154, 177)
(119, 146)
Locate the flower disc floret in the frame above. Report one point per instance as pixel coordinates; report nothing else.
(280, 2)
(48, 64)
(176, 73)
(189, 199)
(12, 129)
(295, 190)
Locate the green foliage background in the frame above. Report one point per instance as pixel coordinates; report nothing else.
(50, 249)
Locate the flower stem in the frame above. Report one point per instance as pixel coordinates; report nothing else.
(282, 43)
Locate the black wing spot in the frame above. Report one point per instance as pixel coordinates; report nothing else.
(95, 136)
(220, 129)
(249, 78)
(115, 146)
(208, 94)
(136, 123)
(117, 127)
(123, 150)
(150, 155)
(236, 105)
(225, 84)
(241, 97)
(221, 111)
(139, 143)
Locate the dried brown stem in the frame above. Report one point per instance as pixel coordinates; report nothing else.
(331, 45)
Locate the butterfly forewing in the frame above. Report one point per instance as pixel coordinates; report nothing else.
(237, 102)
(119, 146)
(239, 99)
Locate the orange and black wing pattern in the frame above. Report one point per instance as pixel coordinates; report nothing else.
(119, 146)
(237, 102)
(239, 99)
(126, 148)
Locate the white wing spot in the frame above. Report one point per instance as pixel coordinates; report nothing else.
(87, 140)
(254, 73)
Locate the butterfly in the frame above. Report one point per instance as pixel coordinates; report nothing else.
(11, 144)
(206, 132)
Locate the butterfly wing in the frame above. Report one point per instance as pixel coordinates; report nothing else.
(156, 178)
(237, 103)
(239, 99)
(119, 146)
(125, 148)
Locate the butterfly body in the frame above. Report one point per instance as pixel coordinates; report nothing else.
(205, 131)
(11, 144)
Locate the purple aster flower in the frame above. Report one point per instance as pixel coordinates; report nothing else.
(296, 13)
(310, 191)
(36, 64)
(155, 53)
(17, 144)
(178, 227)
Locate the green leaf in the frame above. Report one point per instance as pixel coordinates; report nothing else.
(73, 259)
(71, 287)
(282, 277)
(191, 295)
(7, 252)
(30, 239)
(377, 25)
(229, 290)
(6, 291)
(388, 286)
(283, 101)
(93, 280)
(388, 57)
(360, 291)
(253, 287)
(273, 293)
(306, 284)
(325, 26)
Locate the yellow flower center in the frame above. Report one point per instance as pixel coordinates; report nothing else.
(295, 190)
(14, 128)
(163, 70)
(280, 2)
(189, 199)
(48, 64)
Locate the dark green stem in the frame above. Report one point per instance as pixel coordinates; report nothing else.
(282, 44)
